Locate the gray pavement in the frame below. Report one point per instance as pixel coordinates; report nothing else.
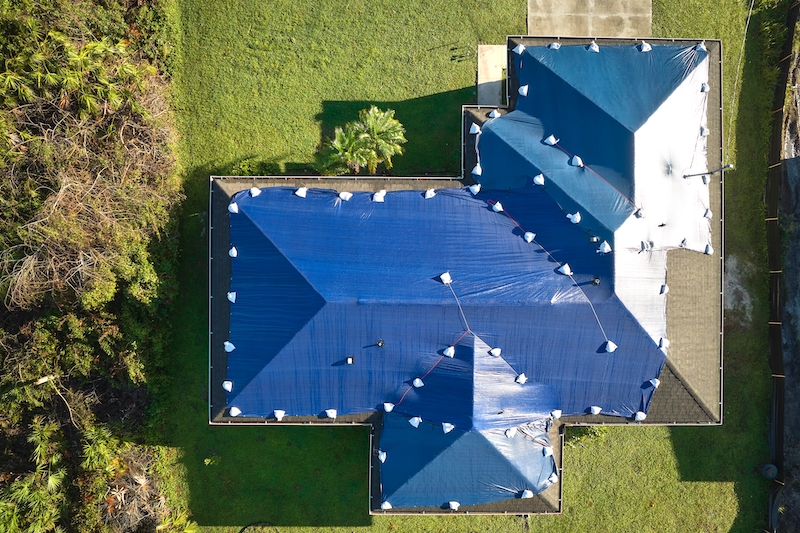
(590, 18)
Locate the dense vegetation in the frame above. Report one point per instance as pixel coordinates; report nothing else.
(87, 265)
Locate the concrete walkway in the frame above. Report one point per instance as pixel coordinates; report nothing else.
(590, 18)
(492, 62)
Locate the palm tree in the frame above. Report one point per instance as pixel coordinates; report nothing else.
(347, 149)
(382, 135)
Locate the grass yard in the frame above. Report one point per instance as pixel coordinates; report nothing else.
(257, 84)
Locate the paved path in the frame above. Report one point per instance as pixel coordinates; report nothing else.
(590, 18)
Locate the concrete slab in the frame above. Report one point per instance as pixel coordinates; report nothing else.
(492, 61)
(590, 18)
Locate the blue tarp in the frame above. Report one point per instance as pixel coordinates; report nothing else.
(319, 280)
(426, 465)
(593, 103)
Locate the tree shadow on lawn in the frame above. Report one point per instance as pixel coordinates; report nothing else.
(735, 451)
(433, 130)
(241, 475)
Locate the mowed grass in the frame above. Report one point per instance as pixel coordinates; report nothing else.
(264, 82)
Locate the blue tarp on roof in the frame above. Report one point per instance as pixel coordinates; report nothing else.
(424, 464)
(593, 103)
(319, 280)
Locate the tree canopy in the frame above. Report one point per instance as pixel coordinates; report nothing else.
(368, 142)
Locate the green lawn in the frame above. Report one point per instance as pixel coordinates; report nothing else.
(256, 86)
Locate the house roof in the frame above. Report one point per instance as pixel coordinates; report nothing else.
(317, 278)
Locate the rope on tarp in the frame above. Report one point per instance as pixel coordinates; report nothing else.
(594, 312)
(467, 331)
(593, 171)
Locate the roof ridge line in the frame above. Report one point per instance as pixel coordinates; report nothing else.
(615, 119)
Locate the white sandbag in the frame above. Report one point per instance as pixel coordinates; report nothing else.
(450, 351)
(386, 506)
(655, 382)
(475, 188)
(663, 343)
(495, 113)
(227, 385)
(497, 207)
(521, 379)
(555, 414)
(417, 383)
(639, 416)
(430, 193)
(235, 411)
(526, 494)
(519, 49)
(330, 413)
(511, 432)
(538, 179)
(709, 250)
(551, 140)
(704, 88)
(388, 407)
(446, 278)
(529, 236)
(477, 170)
(523, 91)
(645, 47)
(382, 456)
(233, 252)
(564, 269)
(593, 47)
(576, 161)
(708, 214)
(610, 347)
(547, 451)
(554, 46)
(301, 192)
(664, 289)
(415, 421)
(345, 196)
(233, 207)
(379, 196)
(229, 347)
(553, 478)
(495, 352)
(279, 414)
(255, 191)
(453, 505)
(232, 297)
(575, 217)
(595, 409)
(701, 46)
(604, 248)
(474, 129)
(447, 427)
